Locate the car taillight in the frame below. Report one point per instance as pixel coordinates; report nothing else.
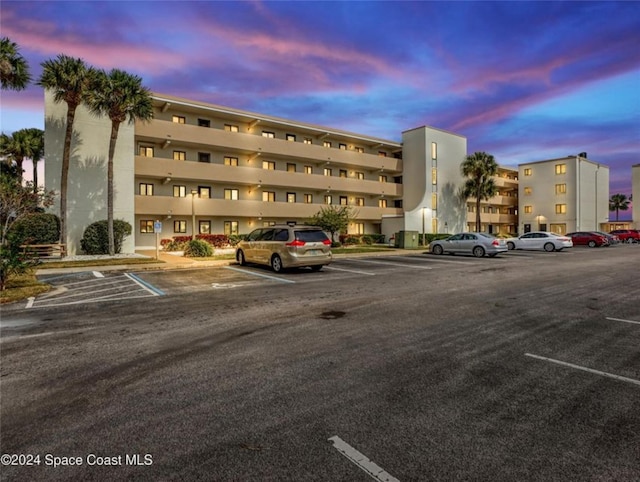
(326, 242)
(495, 242)
(296, 242)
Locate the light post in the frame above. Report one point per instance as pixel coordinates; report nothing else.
(193, 213)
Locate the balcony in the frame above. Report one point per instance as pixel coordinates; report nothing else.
(493, 218)
(505, 182)
(203, 138)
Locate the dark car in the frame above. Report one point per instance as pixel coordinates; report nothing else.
(627, 235)
(588, 238)
(613, 239)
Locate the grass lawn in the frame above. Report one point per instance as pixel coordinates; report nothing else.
(22, 287)
(360, 249)
(96, 262)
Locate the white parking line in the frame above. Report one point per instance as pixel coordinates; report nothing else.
(390, 263)
(585, 369)
(98, 274)
(246, 271)
(624, 321)
(349, 270)
(361, 461)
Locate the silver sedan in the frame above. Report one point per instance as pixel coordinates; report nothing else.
(477, 244)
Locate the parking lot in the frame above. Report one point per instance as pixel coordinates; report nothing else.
(413, 367)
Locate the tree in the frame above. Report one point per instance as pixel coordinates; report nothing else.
(121, 97)
(69, 79)
(334, 219)
(14, 69)
(23, 144)
(479, 169)
(618, 202)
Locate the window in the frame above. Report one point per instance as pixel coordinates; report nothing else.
(561, 188)
(146, 226)
(434, 176)
(291, 167)
(343, 173)
(204, 192)
(291, 197)
(382, 154)
(231, 194)
(308, 140)
(179, 156)
(230, 161)
(269, 196)
(434, 151)
(204, 157)
(179, 191)
(178, 119)
(342, 146)
(382, 178)
(326, 143)
(360, 150)
(269, 134)
(231, 128)
(308, 169)
(291, 137)
(327, 171)
(146, 189)
(561, 209)
(270, 165)
(527, 171)
(179, 226)
(561, 168)
(359, 228)
(360, 175)
(204, 122)
(343, 200)
(231, 228)
(382, 203)
(359, 201)
(327, 199)
(527, 191)
(204, 227)
(528, 209)
(145, 151)
(434, 201)
(308, 198)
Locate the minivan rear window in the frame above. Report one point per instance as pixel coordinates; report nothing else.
(311, 236)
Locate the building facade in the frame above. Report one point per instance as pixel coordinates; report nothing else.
(499, 215)
(563, 195)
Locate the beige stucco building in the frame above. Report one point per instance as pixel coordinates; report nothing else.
(563, 195)
(499, 215)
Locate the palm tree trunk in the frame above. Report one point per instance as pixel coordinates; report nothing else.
(64, 175)
(112, 148)
(35, 174)
(478, 220)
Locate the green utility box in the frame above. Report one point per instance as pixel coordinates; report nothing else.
(407, 239)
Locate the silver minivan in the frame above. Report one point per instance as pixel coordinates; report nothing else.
(284, 246)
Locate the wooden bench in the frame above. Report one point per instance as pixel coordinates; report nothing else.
(46, 250)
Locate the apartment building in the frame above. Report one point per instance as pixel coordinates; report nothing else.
(499, 215)
(563, 195)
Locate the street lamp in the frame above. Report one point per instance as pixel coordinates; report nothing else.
(193, 213)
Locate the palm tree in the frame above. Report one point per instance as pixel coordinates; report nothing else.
(14, 69)
(23, 144)
(479, 169)
(617, 203)
(69, 78)
(37, 153)
(121, 97)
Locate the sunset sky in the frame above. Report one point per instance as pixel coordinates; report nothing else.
(523, 81)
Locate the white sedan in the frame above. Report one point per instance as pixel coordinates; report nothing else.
(540, 240)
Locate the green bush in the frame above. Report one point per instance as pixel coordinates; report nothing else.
(433, 236)
(351, 240)
(366, 239)
(36, 228)
(197, 248)
(96, 237)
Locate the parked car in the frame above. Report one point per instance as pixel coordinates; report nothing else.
(588, 238)
(540, 240)
(627, 235)
(284, 246)
(612, 238)
(477, 244)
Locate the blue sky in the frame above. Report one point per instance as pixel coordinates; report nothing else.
(524, 81)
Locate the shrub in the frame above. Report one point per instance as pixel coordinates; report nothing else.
(351, 240)
(366, 239)
(96, 238)
(14, 261)
(197, 248)
(36, 228)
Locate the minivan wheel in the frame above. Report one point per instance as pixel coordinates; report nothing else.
(316, 267)
(240, 258)
(549, 247)
(592, 244)
(276, 263)
(478, 251)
